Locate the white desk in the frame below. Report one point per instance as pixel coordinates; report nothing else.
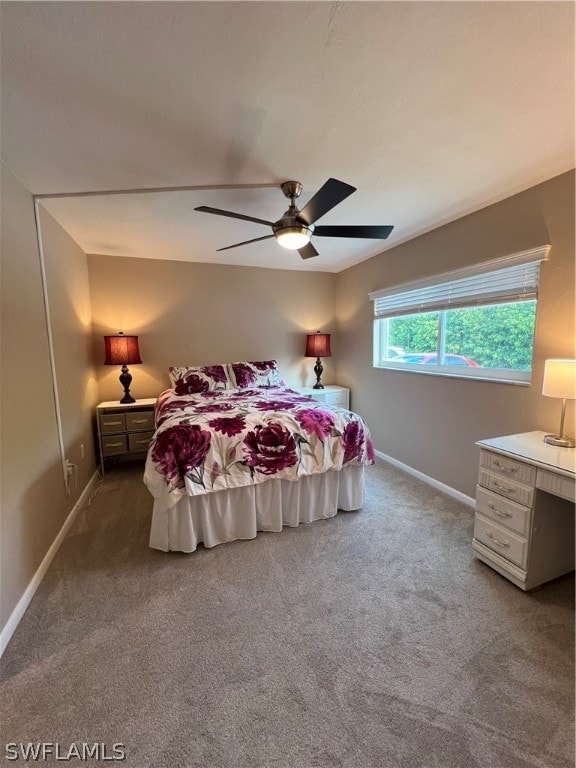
(524, 523)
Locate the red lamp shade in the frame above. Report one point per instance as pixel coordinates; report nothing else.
(318, 345)
(122, 350)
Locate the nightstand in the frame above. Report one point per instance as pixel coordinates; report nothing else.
(124, 430)
(332, 394)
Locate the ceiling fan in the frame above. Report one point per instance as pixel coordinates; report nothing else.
(295, 228)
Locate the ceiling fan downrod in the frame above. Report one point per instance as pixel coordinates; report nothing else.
(289, 232)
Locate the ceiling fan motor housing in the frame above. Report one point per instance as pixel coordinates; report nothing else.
(289, 231)
(290, 221)
(291, 189)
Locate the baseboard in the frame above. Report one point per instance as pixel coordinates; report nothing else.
(16, 615)
(447, 489)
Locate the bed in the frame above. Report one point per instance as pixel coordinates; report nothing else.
(235, 451)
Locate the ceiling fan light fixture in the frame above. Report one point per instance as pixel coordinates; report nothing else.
(294, 229)
(294, 237)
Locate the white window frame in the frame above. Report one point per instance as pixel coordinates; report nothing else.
(507, 279)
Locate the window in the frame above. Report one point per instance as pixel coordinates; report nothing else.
(477, 322)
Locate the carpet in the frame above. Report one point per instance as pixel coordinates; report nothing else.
(371, 640)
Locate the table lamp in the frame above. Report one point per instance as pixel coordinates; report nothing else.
(560, 381)
(123, 350)
(318, 345)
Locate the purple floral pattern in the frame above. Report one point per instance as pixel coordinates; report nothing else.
(191, 385)
(214, 440)
(192, 380)
(228, 425)
(317, 422)
(262, 373)
(179, 451)
(275, 405)
(244, 375)
(214, 408)
(215, 372)
(270, 449)
(353, 441)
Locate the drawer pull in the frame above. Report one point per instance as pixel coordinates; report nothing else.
(114, 445)
(504, 488)
(505, 467)
(497, 541)
(139, 421)
(112, 423)
(498, 512)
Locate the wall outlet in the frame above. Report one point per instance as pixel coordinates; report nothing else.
(82, 451)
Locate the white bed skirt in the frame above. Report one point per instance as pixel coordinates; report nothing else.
(240, 513)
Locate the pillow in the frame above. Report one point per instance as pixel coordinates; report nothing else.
(255, 374)
(192, 380)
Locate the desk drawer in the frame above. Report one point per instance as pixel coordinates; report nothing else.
(506, 486)
(510, 545)
(503, 511)
(556, 484)
(516, 470)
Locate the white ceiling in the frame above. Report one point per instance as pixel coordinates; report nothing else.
(430, 109)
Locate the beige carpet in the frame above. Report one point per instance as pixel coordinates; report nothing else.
(372, 640)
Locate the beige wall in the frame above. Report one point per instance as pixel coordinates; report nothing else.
(431, 423)
(195, 314)
(71, 323)
(34, 502)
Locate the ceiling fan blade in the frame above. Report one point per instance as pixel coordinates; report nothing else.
(308, 251)
(219, 212)
(328, 196)
(375, 232)
(237, 245)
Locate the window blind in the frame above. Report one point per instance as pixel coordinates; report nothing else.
(483, 286)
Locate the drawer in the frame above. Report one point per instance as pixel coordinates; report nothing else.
(139, 420)
(504, 511)
(510, 545)
(139, 441)
(336, 398)
(517, 470)
(112, 422)
(506, 486)
(114, 444)
(556, 484)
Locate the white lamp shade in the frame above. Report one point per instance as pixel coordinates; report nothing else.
(560, 379)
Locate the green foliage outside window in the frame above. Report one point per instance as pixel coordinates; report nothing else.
(494, 336)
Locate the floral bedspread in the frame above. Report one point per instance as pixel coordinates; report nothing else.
(222, 439)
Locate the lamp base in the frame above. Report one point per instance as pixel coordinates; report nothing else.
(126, 380)
(318, 369)
(560, 442)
